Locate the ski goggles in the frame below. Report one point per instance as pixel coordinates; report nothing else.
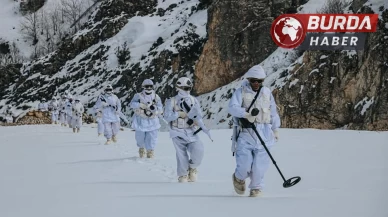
(109, 90)
(252, 81)
(185, 88)
(148, 86)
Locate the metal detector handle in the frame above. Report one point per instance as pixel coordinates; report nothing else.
(254, 99)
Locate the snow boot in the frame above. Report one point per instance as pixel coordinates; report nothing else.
(150, 154)
(78, 129)
(239, 185)
(141, 152)
(254, 192)
(74, 130)
(114, 138)
(192, 174)
(108, 142)
(182, 179)
(99, 134)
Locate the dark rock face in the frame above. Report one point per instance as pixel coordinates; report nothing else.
(8, 75)
(238, 38)
(331, 89)
(31, 6)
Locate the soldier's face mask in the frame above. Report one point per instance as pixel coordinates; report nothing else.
(185, 88)
(108, 91)
(148, 87)
(184, 91)
(255, 83)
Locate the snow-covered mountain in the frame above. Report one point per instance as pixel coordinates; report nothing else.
(122, 44)
(214, 42)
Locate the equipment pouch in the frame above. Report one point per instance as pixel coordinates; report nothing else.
(181, 123)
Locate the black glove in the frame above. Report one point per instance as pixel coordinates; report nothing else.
(255, 112)
(148, 113)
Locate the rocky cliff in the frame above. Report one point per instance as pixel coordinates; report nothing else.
(238, 37)
(332, 89)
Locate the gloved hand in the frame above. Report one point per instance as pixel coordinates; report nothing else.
(104, 104)
(249, 117)
(194, 113)
(255, 111)
(207, 132)
(276, 134)
(143, 106)
(182, 114)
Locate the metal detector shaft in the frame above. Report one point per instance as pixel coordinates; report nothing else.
(287, 183)
(269, 153)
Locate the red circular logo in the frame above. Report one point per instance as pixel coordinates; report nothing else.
(287, 31)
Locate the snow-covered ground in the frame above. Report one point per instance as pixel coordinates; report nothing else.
(48, 171)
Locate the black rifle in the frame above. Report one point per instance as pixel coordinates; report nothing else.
(190, 121)
(152, 107)
(104, 100)
(188, 109)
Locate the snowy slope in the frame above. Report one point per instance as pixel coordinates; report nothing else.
(86, 76)
(48, 171)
